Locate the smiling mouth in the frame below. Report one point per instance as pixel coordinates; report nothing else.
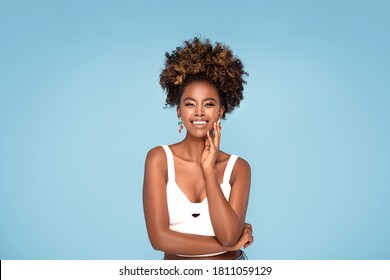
(199, 122)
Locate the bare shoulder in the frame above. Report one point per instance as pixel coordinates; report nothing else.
(242, 164)
(241, 169)
(156, 154)
(156, 162)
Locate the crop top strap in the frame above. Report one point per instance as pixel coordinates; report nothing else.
(170, 163)
(229, 168)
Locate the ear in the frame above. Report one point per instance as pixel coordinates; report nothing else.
(178, 112)
(221, 111)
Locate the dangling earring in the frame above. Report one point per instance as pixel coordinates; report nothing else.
(180, 123)
(220, 125)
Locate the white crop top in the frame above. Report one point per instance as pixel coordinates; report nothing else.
(190, 217)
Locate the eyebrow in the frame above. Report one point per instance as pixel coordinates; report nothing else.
(206, 99)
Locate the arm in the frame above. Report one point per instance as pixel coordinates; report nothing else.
(227, 217)
(157, 218)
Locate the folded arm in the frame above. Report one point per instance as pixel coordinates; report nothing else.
(157, 217)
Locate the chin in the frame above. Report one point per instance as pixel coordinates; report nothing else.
(198, 134)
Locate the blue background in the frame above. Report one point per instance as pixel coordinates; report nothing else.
(80, 106)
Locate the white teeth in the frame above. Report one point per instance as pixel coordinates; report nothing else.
(199, 122)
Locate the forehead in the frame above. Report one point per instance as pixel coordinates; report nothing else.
(200, 90)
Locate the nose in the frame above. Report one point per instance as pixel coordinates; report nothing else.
(199, 111)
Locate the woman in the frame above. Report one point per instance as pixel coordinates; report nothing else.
(195, 195)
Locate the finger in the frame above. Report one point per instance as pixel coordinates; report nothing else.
(217, 135)
(246, 245)
(248, 226)
(219, 126)
(207, 142)
(212, 145)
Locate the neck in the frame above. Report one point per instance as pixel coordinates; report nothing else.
(193, 148)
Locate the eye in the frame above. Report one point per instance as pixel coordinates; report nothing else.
(189, 105)
(208, 105)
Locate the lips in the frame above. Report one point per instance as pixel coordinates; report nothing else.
(199, 123)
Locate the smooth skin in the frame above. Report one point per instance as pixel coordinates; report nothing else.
(199, 167)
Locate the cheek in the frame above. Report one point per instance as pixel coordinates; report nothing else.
(185, 112)
(217, 113)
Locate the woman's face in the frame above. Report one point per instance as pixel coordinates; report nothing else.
(199, 108)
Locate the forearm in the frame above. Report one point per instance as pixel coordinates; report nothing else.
(226, 224)
(173, 242)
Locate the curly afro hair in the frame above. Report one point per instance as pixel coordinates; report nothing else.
(199, 60)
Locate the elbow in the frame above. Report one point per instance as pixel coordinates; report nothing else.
(228, 241)
(154, 243)
(159, 241)
(157, 244)
(228, 238)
